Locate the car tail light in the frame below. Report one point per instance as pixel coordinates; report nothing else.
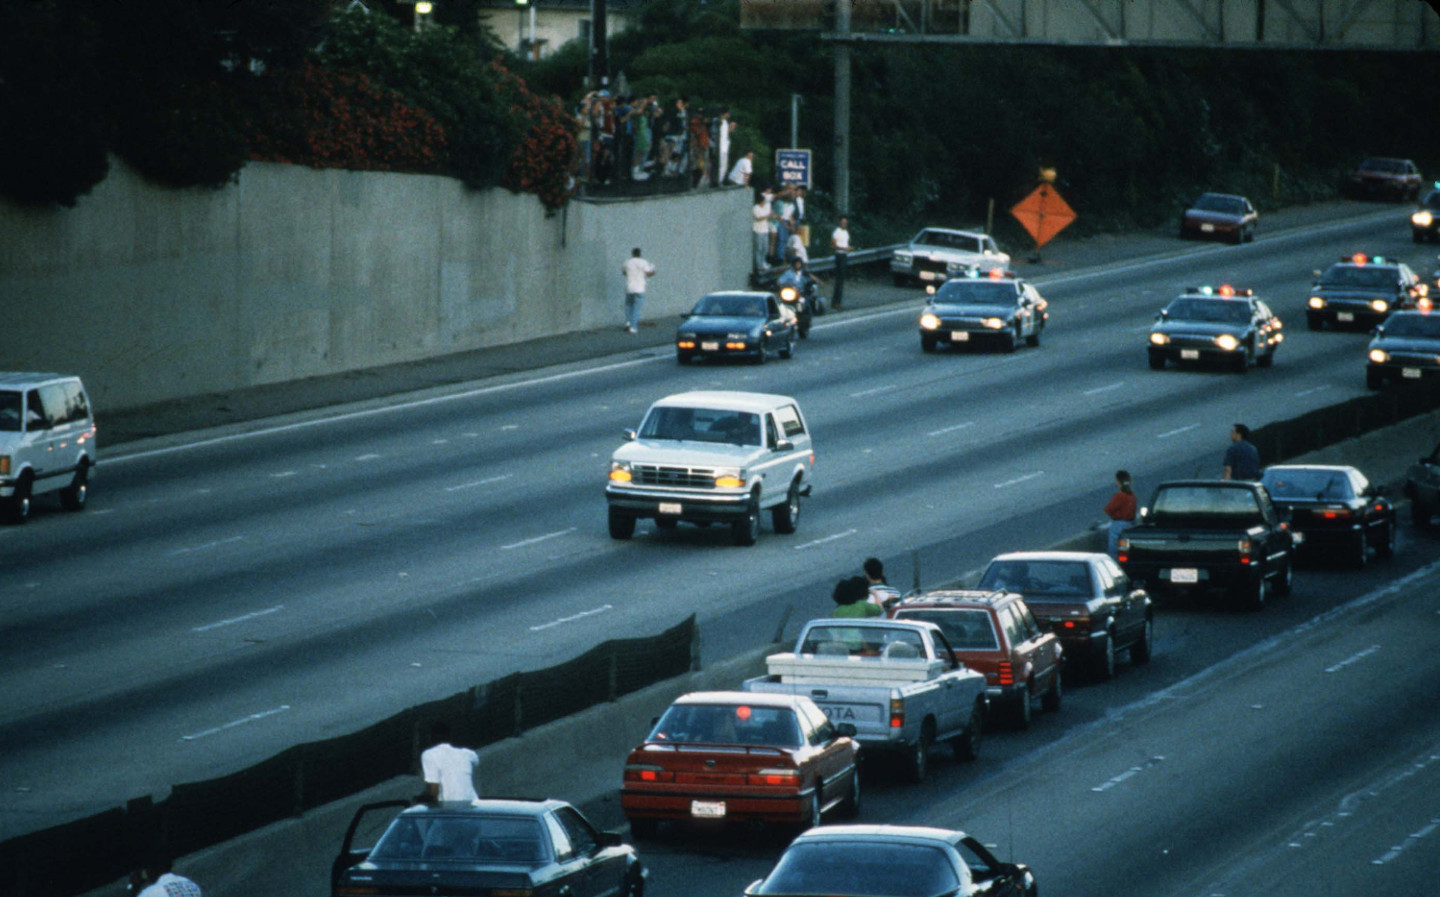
(774, 777)
(1007, 673)
(897, 713)
(1122, 550)
(1335, 513)
(644, 772)
(1246, 547)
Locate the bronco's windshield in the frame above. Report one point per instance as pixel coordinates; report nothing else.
(702, 425)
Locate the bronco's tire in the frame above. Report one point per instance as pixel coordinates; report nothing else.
(1360, 553)
(788, 350)
(1012, 340)
(813, 815)
(747, 529)
(666, 522)
(74, 496)
(786, 517)
(1374, 379)
(683, 357)
(1034, 338)
(1420, 514)
(622, 525)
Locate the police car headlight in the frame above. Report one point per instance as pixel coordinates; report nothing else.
(1158, 339)
(1422, 218)
(1379, 356)
(929, 322)
(993, 323)
(1317, 302)
(1227, 342)
(1380, 305)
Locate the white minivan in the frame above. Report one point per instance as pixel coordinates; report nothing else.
(47, 442)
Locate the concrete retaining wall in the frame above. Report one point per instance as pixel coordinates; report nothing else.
(153, 294)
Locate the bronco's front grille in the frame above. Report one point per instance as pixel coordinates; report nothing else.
(684, 477)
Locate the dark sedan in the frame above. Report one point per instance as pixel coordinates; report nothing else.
(539, 848)
(1220, 216)
(892, 861)
(736, 325)
(1362, 290)
(1425, 220)
(1335, 509)
(1382, 178)
(999, 310)
(1405, 347)
(1085, 599)
(1220, 325)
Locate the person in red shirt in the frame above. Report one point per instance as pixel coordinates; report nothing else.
(1120, 509)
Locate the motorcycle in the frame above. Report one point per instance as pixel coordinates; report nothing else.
(806, 302)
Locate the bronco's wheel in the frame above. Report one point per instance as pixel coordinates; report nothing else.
(813, 816)
(1012, 339)
(786, 517)
(682, 357)
(622, 525)
(73, 497)
(1034, 338)
(1052, 698)
(747, 529)
(1420, 513)
(1314, 322)
(788, 349)
(667, 522)
(1141, 650)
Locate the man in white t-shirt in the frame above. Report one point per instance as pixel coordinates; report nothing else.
(760, 227)
(636, 271)
(156, 880)
(744, 168)
(840, 246)
(449, 771)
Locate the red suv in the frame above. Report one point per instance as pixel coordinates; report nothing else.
(994, 633)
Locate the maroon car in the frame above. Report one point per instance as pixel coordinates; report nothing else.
(1380, 178)
(1220, 216)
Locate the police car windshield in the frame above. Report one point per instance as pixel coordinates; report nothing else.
(1365, 276)
(1432, 200)
(731, 307)
(1398, 325)
(949, 241)
(976, 292)
(1216, 311)
(1214, 202)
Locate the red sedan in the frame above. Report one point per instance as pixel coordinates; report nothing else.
(1219, 216)
(741, 757)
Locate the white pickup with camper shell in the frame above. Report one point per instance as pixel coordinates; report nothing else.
(893, 680)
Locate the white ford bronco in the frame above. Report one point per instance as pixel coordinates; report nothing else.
(713, 457)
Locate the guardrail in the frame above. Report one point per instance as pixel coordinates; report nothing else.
(859, 257)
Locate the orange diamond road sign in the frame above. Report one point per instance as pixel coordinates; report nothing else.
(1044, 214)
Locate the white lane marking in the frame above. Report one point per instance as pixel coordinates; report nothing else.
(1395, 851)
(1179, 431)
(944, 430)
(116, 456)
(439, 442)
(239, 722)
(367, 457)
(207, 545)
(871, 392)
(1028, 476)
(1128, 774)
(1353, 658)
(511, 427)
(523, 543)
(282, 474)
(1311, 391)
(573, 617)
(241, 619)
(848, 532)
(1097, 391)
(485, 482)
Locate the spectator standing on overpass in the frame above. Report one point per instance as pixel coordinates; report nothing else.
(840, 246)
(760, 226)
(744, 169)
(1120, 509)
(1242, 459)
(449, 771)
(636, 271)
(157, 880)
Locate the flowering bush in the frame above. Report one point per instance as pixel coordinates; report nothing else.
(540, 162)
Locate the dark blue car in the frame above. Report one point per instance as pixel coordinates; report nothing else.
(749, 325)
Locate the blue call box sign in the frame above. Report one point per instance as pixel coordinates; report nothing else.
(792, 167)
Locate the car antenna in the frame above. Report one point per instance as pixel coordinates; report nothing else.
(915, 565)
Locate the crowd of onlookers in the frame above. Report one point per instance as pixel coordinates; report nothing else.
(636, 138)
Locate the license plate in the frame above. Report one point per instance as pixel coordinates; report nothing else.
(1184, 574)
(1345, 316)
(710, 347)
(1190, 354)
(1208, 228)
(707, 809)
(671, 507)
(960, 336)
(927, 275)
(1410, 373)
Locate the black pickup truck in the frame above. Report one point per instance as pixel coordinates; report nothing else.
(1204, 535)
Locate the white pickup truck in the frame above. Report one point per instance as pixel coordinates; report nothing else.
(893, 680)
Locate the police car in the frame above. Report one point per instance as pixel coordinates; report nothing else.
(1218, 325)
(995, 310)
(1405, 347)
(1362, 290)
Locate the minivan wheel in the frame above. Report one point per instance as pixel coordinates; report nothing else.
(17, 509)
(72, 497)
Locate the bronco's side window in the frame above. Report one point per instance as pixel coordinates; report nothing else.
(789, 419)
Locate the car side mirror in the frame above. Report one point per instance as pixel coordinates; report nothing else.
(784, 445)
(630, 435)
(846, 729)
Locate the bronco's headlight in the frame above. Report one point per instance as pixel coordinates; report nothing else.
(1159, 339)
(1379, 356)
(620, 472)
(729, 478)
(929, 321)
(1422, 218)
(993, 323)
(1380, 305)
(1317, 302)
(1227, 342)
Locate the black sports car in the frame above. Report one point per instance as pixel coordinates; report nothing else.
(1362, 290)
(1220, 216)
(1405, 347)
(1225, 325)
(999, 309)
(1335, 508)
(1425, 220)
(541, 848)
(749, 325)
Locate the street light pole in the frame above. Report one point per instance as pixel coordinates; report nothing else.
(842, 106)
